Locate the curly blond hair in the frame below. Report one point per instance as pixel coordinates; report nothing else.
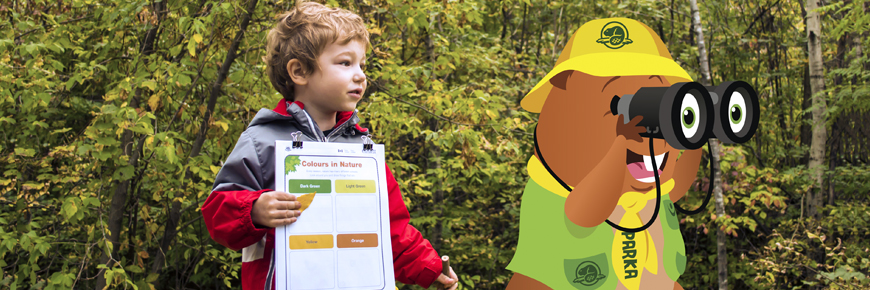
(303, 33)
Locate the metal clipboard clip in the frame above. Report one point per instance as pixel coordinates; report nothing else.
(368, 144)
(296, 143)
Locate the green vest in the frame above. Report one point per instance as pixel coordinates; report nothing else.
(562, 255)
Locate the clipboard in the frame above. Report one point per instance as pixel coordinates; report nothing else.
(342, 240)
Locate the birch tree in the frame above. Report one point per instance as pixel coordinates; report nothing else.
(721, 253)
(819, 107)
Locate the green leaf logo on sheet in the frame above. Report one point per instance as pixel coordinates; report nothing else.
(614, 35)
(290, 163)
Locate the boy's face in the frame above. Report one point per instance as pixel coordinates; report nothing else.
(339, 82)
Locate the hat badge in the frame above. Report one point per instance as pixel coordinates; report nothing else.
(614, 35)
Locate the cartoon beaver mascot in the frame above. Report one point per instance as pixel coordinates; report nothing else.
(592, 171)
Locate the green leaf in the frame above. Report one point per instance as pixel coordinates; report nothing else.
(43, 247)
(134, 269)
(182, 79)
(150, 84)
(25, 152)
(69, 208)
(92, 201)
(169, 151)
(64, 130)
(123, 173)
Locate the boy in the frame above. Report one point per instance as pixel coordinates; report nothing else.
(315, 58)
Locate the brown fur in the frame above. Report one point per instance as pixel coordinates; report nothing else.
(585, 146)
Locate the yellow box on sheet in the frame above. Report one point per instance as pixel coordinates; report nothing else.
(354, 186)
(305, 242)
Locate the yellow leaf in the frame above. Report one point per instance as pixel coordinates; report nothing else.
(191, 48)
(197, 38)
(214, 169)
(149, 140)
(305, 200)
(222, 124)
(154, 102)
(36, 186)
(410, 20)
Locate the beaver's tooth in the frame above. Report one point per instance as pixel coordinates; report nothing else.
(659, 160)
(647, 162)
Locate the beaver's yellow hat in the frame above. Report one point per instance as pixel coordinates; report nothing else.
(610, 47)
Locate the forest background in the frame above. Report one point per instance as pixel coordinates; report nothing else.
(115, 117)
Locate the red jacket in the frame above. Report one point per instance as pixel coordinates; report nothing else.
(249, 171)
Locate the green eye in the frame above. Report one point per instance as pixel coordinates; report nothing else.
(689, 110)
(688, 118)
(737, 112)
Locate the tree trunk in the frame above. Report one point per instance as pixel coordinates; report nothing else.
(715, 148)
(838, 136)
(116, 211)
(117, 208)
(719, 200)
(170, 230)
(557, 16)
(859, 52)
(806, 119)
(819, 108)
(702, 49)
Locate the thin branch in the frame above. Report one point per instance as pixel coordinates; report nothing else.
(47, 26)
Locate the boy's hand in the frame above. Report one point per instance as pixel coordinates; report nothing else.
(448, 283)
(275, 209)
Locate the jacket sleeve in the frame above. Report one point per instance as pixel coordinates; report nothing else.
(227, 210)
(414, 259)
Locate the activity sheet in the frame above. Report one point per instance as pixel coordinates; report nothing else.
(342, 240)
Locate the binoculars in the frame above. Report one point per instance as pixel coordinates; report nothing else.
(687, 114)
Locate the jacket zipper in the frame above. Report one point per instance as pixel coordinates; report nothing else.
(314, 128)
(340, 127)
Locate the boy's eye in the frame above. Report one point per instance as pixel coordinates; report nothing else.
(345, 63)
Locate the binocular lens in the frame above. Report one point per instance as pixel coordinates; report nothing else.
(687, 114)
(737, 110)
(687, 119)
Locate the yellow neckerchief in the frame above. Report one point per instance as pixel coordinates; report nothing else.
(631, 252)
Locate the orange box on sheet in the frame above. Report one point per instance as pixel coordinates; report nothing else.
(357, 240)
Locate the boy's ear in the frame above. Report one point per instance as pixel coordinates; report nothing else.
(298, 73)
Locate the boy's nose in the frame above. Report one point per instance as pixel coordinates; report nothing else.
(360, 76)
